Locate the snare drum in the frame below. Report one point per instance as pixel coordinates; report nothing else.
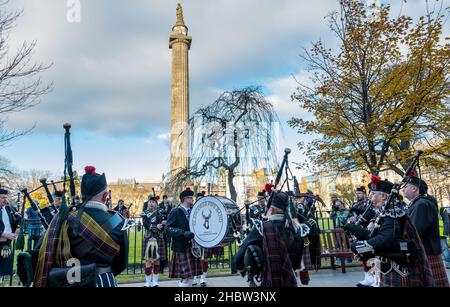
(212, 219)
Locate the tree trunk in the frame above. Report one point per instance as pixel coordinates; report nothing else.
(230, 177)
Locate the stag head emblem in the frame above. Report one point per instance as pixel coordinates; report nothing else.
(206, 217)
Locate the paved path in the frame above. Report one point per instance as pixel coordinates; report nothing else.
(323, 278)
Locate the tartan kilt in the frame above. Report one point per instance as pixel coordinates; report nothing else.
(6, 265)
(307, 259)
(184, 265)
(438, 270)
(162, 251)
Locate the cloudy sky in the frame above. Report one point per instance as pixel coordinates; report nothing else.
(111, 73)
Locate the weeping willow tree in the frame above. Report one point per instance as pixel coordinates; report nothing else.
(235, 135)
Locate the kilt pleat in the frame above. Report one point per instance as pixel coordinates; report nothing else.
(438, 270)
(184, 265)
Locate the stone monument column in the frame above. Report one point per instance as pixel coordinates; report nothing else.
(180, 44)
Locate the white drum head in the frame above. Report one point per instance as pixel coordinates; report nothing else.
(208, 221)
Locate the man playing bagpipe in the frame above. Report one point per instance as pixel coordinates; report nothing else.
(9, 221)
(424, 214)
(361, 208)
(184, 265)
(361, 213)
(57, 198)
(392, 243)
(257, 211)
(122, 209)
(271, 251)
(306, 212)
(155, 246)
(90, 235)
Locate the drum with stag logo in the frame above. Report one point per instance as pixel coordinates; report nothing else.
(213, 220)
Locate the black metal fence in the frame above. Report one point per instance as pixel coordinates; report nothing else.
(221, 260)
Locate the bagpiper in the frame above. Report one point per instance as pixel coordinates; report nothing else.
(122, 209)
(392, 243)
(424, 214)
(184, 265)
(271, 250)
(306, 213)
(91, 234)
(362, 213)
(257, 210)
(9, 222)
(155, 247)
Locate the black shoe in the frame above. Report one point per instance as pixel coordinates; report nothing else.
(203, 284)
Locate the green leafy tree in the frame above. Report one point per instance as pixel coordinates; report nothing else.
(383, 93)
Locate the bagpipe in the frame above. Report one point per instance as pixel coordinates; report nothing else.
(394, 196)
(361, 218)
(364, 217)
(27, 261)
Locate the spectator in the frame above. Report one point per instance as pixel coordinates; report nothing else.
(444, 227)
(34, 226)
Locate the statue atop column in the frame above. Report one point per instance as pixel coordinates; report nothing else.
(180, 20)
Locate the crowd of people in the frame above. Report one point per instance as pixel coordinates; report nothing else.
(404, 245)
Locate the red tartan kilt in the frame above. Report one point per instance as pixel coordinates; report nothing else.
(184, 265)
(307, 259)
(161, 248)
(438, 270)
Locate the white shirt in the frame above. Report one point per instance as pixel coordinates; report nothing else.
(5, 218)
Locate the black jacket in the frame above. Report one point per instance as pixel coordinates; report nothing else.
(176, 225)
(423, 212)
(383, 239)
(13, 220)
(117, 263)
(294, 248)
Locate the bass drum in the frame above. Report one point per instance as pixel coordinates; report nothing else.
(213, 220)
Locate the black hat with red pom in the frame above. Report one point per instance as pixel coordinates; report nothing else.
(361, 189)
(378, 185)
(92, 183)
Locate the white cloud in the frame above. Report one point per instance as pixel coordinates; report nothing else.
(112, 70)
(281, 90)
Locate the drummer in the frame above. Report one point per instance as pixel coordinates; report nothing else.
(184, 265)
(207, 253)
